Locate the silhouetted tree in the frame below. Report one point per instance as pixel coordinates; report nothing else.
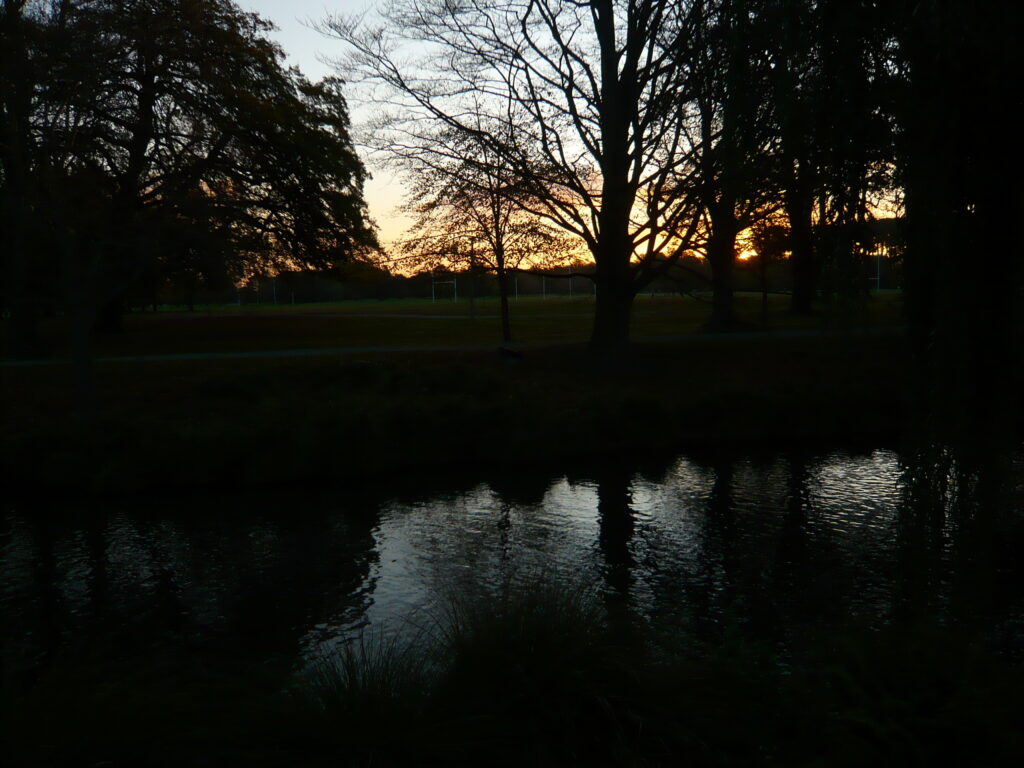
(796, 84)
(470, 216)
(771, 241)
(733, 151)
(184, 118)
(18, 32)
(834, 144)
(954, 94)
(579, 100)
(854, 141)
(953, 98)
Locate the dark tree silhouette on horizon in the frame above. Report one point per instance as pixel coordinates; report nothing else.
(177, 126)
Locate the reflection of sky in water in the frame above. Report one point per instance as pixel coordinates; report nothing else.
(686, 557)
(476, 541)
(780, 543)
(854, 493)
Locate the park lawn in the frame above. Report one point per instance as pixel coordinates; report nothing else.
(422, 323)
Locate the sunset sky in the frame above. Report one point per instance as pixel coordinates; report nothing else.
(307, 49)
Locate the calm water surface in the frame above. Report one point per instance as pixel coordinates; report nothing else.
(781, 544)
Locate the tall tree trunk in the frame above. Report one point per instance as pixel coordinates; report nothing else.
(932, 163)
(763, 274)
(796, 118)
(82, 358)
(15, 105)
(612, 310)
(506, 323)
(614, 246)
(803, 259)
(110, 318)
(23, 334)
(722, 258)
(127, 211)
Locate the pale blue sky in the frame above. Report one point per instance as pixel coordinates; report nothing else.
(304, 48)
(301, 43)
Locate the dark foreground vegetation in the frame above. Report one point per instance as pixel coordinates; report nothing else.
(543, 676)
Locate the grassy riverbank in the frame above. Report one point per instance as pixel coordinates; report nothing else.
(343, 417)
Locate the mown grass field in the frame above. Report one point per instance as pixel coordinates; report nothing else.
(425, 323)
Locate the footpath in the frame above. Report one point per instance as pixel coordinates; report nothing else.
(687, 340)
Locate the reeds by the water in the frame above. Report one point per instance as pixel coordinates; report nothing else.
(543, 674)
(540, 676)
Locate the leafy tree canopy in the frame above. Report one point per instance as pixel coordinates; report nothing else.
(175, 124)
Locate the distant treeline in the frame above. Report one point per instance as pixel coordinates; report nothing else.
(361, 281)
(880, 268)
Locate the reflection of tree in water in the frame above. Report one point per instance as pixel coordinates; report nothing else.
(753, 553)
(656, 469)
(792, 549)
(957, 505)
(45, 626)
(921, 532)
(103, 592)
(713, 592)
(805, 547)
(616, 527)
(793, 597)
(99, 583)
(310, 573)
(521, 489)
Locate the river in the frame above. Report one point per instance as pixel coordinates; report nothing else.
(782, 544)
